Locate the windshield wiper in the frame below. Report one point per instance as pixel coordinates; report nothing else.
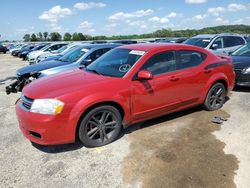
(94, 71)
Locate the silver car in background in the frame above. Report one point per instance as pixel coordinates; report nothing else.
(89, 53)
(220, 44)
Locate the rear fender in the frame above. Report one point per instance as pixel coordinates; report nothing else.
(212, 80)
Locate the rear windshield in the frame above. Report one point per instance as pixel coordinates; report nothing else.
(201, 42)
(242, 51)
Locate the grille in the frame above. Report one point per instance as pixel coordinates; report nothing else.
(26, 102)
(244, 78)
(238, 73)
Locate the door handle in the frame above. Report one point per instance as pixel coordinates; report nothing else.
(173, 78)
(208, 70)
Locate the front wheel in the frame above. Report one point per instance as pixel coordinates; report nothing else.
(100, 126)
(215, 97)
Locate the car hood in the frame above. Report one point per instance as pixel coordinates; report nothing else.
(55, 70)
(241, 62)
(39, 67)
(76, 80)
(49, 58)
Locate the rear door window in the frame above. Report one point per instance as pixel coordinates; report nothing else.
(230, 41)
(189, 58)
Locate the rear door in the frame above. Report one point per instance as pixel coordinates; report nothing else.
(191, 75)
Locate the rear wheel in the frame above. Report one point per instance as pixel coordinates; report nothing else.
(215, 97)
(100, 126)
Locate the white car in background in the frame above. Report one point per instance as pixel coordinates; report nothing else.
(220, 44)
(17, 47)
(32, 57)
(60, 52)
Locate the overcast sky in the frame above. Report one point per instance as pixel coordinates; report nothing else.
(117, 17)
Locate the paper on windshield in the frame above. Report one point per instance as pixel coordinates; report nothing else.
(137, 52)
(84, 50)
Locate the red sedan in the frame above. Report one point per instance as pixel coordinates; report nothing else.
(129, 84)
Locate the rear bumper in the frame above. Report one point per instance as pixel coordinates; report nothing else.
(44, 129)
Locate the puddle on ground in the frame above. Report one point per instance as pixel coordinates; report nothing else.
(179, 150)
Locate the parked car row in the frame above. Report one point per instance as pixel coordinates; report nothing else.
(91, 91)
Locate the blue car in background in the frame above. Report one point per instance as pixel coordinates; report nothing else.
(81, 56)
(241, 62)
(57, 53)
(26, 51)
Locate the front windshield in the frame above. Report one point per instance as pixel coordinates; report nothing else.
(62, 49)
(73, 55)
(201, 42)
(116, 62)
(46, 47)
(71, 48)
(242, 51)
(38, 47)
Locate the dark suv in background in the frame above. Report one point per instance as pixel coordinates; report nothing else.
(3, 49)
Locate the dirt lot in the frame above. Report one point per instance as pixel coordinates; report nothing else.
(179, 150)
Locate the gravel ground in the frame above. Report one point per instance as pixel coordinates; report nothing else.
(179, 150)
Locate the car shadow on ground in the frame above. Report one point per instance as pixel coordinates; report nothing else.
(159, 120)
(78, 145)
(59, 148)
(241, 89)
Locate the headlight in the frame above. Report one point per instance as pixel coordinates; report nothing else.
(47, 106)
(40, 58)
(246, 71)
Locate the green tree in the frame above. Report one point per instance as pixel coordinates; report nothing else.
(81, 37)
(40, 36)
(67, 36)
(75, 37)
(26, 37)
(45, 35)
(33, 37)
(55, 36)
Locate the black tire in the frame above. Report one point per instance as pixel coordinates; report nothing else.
(100, 126)
(215, 97)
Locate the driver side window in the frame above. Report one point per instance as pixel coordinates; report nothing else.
(98, 53)
(161, 63)
(219, 42)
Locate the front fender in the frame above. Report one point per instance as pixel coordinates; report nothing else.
(80, 107)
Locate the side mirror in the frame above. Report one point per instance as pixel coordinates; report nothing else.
(86, 62)
(145, 75)
(214, 46)
(230, 53)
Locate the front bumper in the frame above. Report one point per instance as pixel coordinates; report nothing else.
(44, 129)
(242, 79)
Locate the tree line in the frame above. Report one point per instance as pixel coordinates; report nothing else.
(55, 36)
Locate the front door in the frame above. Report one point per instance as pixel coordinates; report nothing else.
(154, 97)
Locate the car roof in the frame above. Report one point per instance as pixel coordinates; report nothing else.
(104, 45)
(214, 35)
(205, 36)
(158, 46)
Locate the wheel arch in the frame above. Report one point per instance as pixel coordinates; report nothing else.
(221, 78)
(102, 103)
